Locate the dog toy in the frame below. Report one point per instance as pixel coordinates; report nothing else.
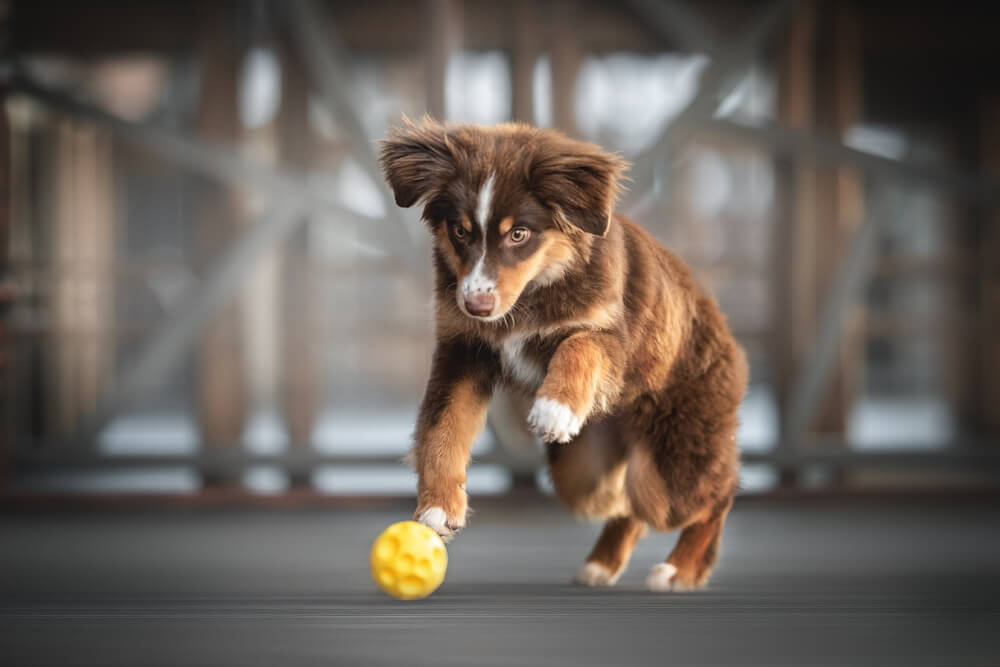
(408, 560)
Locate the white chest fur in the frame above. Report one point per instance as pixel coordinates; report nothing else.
(520, 368)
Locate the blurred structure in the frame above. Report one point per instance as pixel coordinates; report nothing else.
(205, 283)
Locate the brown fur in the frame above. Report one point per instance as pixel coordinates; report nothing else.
(614, 546)
(452, 414)
(575, 372)
(592, 313)
(589, 474)
(697, 548)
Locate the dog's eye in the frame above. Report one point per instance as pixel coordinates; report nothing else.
(519, 234)
(459, 231)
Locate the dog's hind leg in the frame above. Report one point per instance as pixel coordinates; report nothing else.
(588, 473)
(611, 554)
(690, 563)
(589, 476)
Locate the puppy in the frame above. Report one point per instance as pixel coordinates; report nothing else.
(634, 375)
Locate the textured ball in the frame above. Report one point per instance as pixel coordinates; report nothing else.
(408, 560)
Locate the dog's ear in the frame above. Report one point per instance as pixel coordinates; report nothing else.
(416, 160)
(580, 182)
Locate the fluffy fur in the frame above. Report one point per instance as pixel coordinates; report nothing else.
(635, 376)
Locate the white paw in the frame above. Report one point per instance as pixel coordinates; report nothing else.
(436, 519)
(595, 574)
(553, 421)
(662, 578)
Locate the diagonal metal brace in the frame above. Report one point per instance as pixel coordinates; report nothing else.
(798, 144)
(162, 349)
(321, 52)
(678, 23)
(852, 276)
(216, 162)
(717, 80)
(293, 198)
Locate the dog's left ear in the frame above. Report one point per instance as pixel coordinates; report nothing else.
(580, 182)
(416, 160)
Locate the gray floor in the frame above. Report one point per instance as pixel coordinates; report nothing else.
(813, 583)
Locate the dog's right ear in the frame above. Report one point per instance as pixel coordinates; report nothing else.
(417, 160)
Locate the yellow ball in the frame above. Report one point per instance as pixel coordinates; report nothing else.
(408, 560)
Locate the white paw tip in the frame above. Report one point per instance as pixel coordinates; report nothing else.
(661, 577)
(553, 421)
(595, 574)
(435, 519)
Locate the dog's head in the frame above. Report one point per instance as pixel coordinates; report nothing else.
(511, 207)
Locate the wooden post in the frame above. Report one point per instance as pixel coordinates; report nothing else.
(24, 243)
(301, 365)
(821, 206)
(840, 199)
(7, 385)
(78, 192)
(444, 38)
(566, 59)
(989, 318)
(793, 290)
(220, 374)
(526, 48)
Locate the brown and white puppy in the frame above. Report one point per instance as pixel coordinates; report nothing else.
(634, 376)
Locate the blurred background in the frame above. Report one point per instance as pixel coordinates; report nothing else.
(206, 290)
(215, 327)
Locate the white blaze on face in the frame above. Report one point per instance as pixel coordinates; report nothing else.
(476, 280)
(484, 203)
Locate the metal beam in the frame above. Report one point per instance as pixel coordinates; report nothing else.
(214, 161)
(853, 274)
(321, 52)
(804, 145)
(946, 456)
(677, 24)
(717, 81)
(299, 460)
(164, 348)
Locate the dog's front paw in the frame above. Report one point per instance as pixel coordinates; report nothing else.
(553, 421)
(438, 520)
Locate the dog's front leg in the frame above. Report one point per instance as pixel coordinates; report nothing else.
(580, 374)
(451, 416)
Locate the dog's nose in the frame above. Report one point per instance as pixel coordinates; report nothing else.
(480, 303)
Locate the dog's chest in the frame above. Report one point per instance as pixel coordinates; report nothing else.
(522, 361)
